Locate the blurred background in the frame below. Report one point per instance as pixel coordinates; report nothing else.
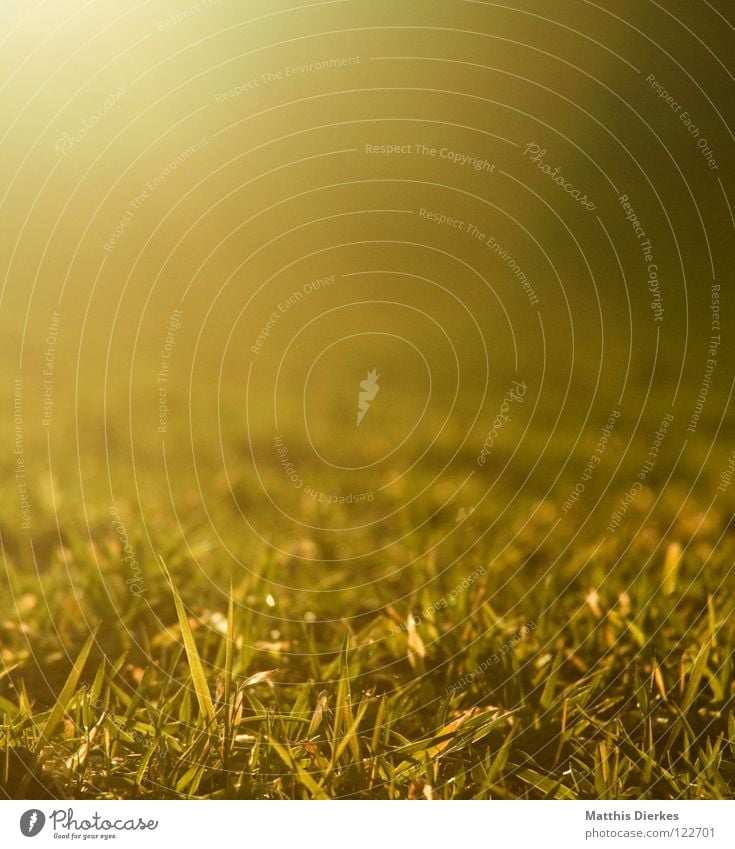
(218, 218)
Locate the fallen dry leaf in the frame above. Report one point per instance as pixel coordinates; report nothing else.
(79, 758)
(316, 719)
(258, 677)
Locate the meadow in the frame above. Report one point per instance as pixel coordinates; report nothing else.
(369, 401)
(486, 645)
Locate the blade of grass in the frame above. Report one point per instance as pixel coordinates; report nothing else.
(57, 712)
(695, 677)
(198, 678)
(229, 648)
(285, 754)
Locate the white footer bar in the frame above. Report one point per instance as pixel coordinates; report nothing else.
(367, 825)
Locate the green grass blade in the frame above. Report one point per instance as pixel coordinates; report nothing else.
(198, 678)
(695, 677)
(57, 712)
(285, 754)
(229, 649)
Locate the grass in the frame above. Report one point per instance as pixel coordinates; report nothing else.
(203, 288)
(489, 653)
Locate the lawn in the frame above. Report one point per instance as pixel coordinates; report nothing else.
(369, 400)
(480, 646)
